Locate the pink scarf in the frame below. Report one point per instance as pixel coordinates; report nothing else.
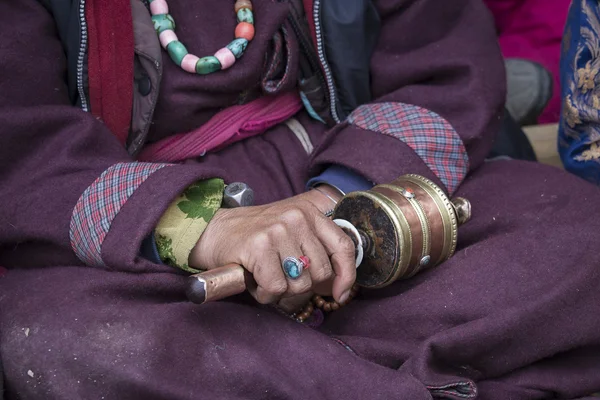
(228, 126)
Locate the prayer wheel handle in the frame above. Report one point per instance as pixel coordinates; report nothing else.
(217, 284)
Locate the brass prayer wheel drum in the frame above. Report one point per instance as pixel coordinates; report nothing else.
(405, 227)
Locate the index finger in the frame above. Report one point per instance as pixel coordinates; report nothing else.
(341, 252)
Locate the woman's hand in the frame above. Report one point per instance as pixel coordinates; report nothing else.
(259, 238)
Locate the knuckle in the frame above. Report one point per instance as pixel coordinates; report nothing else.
(293, 216)
(323, 274)
(261, 241)
(301, 287)
(278, 229)
(346, 245)
(276, 287)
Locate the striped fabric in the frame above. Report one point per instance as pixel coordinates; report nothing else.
(99, 205)
(428, 134)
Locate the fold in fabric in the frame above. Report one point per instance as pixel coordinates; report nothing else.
(227, 127)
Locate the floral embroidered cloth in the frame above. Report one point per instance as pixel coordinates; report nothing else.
(184, 221)
(579, 133)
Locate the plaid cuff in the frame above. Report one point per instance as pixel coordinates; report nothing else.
(428, 134)
(99, 205)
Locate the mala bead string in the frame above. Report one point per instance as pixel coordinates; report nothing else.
(306, 312)
(320, 303)
(224, 58)
(329, 306)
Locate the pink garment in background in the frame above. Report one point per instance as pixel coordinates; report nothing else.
(532, 30)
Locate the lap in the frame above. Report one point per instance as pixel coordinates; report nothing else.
(520, 288)
(518, 291)
(85, 333)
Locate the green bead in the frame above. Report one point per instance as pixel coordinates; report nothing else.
(207, 65)
(177, 51)
(163, 22)
(245, 15)
(238, 46)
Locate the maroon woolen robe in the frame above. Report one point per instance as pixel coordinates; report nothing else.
(511, 315)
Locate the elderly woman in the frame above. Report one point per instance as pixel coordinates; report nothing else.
(122, 122)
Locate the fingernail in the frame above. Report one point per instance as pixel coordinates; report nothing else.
(344, 296)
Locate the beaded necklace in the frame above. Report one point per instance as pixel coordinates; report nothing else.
(164, 24)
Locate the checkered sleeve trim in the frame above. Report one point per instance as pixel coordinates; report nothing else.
(99, 205)
(428, 134)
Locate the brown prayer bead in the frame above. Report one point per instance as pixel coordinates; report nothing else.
(242, 4)
(303, 316)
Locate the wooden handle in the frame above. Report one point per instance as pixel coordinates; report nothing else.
(217, 284)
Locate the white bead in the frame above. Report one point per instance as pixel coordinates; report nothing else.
(167, 37)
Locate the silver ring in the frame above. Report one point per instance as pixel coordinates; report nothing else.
(292, 267)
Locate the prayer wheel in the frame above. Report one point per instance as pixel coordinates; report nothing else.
(403, 227)
(398, 229)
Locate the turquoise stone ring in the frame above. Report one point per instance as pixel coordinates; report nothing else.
(292, 267)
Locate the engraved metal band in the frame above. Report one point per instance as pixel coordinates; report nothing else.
(443, 203)
(423, 220)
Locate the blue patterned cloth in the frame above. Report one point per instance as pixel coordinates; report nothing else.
(579, 131)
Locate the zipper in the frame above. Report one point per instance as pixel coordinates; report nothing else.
(81, 56)
(308, 48)
(305, 42)
(323, 61)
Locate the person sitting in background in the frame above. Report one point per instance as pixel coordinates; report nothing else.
(579, 129)
(530, 34)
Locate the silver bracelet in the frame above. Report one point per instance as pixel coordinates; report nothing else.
(340, 191)
(329, 213)
(325, 194)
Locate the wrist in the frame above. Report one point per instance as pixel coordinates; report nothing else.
(324, 197)
(331, 192)
(203, 255)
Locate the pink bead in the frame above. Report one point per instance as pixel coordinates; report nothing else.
(225, 57)
(159, 7)
(189, 63)
(166, 37)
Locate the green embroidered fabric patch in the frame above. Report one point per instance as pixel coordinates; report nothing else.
(183, 222)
